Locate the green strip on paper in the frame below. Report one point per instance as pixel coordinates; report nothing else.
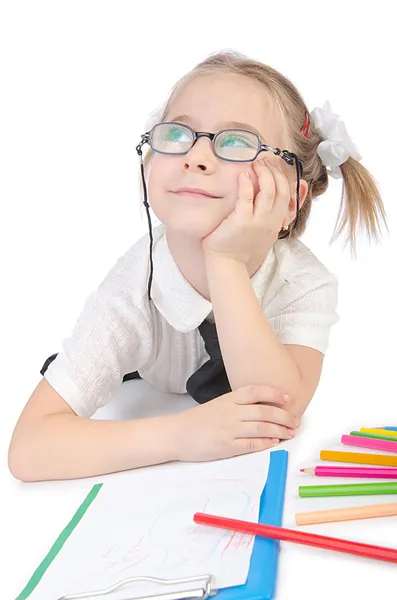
(59, 542)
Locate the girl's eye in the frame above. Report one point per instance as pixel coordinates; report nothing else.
(177, 134)
(235, 140)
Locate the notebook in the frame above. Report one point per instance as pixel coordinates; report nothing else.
(263, 562)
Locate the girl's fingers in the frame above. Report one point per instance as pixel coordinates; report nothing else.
(265, 198)
(269, 414)
(260, 429)
(245, 202)
(247, 445)
(271, 176)
(254, 394)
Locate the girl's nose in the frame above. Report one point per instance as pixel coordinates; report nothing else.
(201, 155)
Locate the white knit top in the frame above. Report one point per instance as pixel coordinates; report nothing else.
(120, 331)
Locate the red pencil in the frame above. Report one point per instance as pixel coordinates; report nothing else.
(299, 537)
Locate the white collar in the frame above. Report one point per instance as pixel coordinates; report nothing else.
(175, 298)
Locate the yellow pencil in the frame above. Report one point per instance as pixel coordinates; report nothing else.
(379, 431)
(358, 457)
(346, 514)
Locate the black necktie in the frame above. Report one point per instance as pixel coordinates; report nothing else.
(210, 380)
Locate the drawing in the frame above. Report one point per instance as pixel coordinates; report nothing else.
(159, 537)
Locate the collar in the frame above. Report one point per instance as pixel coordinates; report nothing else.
(175, 298)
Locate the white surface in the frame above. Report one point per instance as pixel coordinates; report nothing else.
(78, 82)
(42, 510)
(141, 524)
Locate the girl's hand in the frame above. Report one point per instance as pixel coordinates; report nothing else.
(253, 227)
(239, 422)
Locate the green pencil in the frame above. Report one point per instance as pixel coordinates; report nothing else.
(389, 438)
(354, 489)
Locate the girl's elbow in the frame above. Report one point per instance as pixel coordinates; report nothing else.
(21, 463)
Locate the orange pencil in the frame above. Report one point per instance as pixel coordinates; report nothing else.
(346, 514)
(358, 457)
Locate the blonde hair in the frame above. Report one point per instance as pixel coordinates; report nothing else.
(361, 206)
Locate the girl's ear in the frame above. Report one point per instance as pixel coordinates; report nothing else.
(303, 189)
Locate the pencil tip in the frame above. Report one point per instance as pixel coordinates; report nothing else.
(302, 470)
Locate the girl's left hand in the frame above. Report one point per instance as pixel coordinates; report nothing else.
(253, 226)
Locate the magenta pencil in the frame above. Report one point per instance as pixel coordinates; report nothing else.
(363, 442)
(369, 472)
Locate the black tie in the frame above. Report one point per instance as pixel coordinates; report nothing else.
(210, 380)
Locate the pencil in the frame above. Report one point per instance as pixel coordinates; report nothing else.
(362, 442)
(346, 514)
(358, 457)
(352, 489)
(299, 537)
(379, 431)
(369, 472)
(390, 428)
(375, 436)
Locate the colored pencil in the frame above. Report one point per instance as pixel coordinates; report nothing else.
(382, 445)
(299, 537)
(379, 431)
(352, 489)
(386, 428)
(369, 472)
(375, 436)
(346, 514)
(359, 458)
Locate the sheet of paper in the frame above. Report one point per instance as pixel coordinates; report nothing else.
(142, 524)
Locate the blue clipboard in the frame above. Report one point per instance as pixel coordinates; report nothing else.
(262, 575)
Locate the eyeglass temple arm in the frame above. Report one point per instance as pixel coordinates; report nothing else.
(144, 140)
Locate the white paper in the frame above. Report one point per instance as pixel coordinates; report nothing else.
(142, 524)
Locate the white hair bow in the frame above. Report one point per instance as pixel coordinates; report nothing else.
(337, 145)
(154, 117)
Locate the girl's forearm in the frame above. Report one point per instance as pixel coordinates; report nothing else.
(64, 446)
(251, 351)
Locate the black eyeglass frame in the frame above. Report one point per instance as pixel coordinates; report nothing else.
(287, 156)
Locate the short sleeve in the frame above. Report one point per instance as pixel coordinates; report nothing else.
(111, 338)
(307, 320)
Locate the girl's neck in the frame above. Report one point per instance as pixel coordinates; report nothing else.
(189, 256)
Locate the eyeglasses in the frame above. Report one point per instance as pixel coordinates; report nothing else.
(234, 145)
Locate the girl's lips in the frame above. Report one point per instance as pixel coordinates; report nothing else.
(193, 194)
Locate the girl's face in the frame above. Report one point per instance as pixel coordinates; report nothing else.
(210, 103)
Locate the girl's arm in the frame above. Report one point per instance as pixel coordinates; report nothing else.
(251, 349)
(51, 442)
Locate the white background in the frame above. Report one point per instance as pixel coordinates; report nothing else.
(78, 80)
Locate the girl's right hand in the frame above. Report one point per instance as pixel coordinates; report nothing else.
(239, 422)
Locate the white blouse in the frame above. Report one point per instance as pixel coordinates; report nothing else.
(119, 331)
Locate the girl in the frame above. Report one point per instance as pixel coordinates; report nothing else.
(221, 299)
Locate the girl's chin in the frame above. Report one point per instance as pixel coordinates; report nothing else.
(194, 226)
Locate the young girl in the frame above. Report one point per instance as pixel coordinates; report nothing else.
(221, 300)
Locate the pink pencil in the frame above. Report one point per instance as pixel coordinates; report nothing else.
(371, 472)
(362, 442)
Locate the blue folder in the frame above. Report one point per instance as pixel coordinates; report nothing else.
(262, 575)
